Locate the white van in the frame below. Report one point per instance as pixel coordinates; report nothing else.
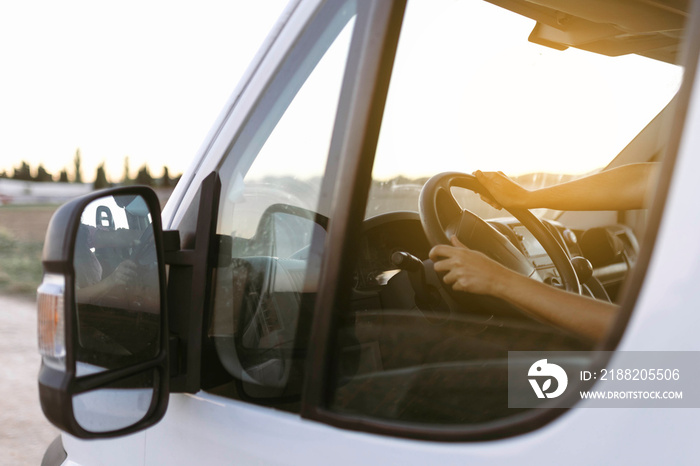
(284, 308)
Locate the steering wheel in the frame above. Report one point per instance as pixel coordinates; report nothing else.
(442, 217)
(144, 253)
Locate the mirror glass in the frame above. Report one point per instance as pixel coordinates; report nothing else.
(115, 406)
(116, 286)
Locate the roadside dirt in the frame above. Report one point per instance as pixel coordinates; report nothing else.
(26, 224)
(24, 432)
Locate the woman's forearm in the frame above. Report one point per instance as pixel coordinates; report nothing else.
(579, 314)
(466, 270)
(623, 188)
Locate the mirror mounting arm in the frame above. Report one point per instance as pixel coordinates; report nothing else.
(173, 254)
(189, 287)
(185, 257)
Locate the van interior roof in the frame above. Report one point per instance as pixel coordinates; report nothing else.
(652, 28)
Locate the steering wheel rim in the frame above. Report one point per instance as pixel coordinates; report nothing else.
(145, 247)
(439, 210)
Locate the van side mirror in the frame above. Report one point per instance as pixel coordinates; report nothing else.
(102, 321)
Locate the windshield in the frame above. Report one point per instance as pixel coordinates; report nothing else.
(477, 95)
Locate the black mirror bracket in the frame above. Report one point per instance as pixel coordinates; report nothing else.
(191, 253)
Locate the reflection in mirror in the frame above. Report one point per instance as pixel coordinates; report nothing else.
(293, 235)
(264, 300)
(115, 406)
(116, 285)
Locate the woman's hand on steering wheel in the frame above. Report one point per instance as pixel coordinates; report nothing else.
(468, 270)
(503, 191)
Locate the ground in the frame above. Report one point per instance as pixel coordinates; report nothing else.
(24, 431)
(22, 230)
(27, 223)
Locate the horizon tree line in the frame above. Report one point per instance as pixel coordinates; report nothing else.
(25, 173)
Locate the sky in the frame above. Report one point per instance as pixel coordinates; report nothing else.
(468, 91)
(137, 79)
(146, 80)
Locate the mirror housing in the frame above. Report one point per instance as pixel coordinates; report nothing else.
(104, 369)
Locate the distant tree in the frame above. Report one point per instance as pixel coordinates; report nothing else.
(63, 177)
(126, 180)
(77, 162)
(23, 173)
(3, 174)
(165, 180)
(101, 178)
(144, 176)
(42, 175)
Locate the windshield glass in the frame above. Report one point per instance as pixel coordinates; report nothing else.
(477, 95)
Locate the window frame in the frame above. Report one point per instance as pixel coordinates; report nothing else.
(360, 114)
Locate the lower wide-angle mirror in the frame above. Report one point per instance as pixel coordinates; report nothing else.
(115, 406)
